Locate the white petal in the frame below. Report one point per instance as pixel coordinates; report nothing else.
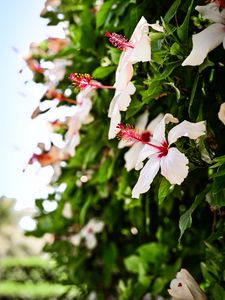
(174, 166)
(75, 239)
(123, 77)
(211, 12)
(221, 114)
(154, 123)
(192, 285)
(123, 143)
(142, 51)
(204, 42)
(146, 151)
(131, 156)
(157, 27)
(188, 129)
(115, 120)
(124, 99)
(146, 177)
(179, 290)
(97, 225)
(91, 241)
(159, 131)
(142, 121)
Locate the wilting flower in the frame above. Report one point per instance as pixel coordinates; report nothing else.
(221, 113)
(83, 81)
(50, 5)
(54, 94)
(88, 234)
(184, 287)
(146, 133)
(160, 153)
(67, 211)
(209, 38)
(55, 70)
(81, 115)
(33, 64)
(54, 155)
(56, 44)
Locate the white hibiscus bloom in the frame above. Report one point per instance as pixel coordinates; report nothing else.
(160, 154)
(184, 287)
(211, 37)
(146, 132)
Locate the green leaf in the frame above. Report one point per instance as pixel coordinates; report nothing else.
(172, 10)
(102, 72)
(153, 253)
(218, 292)
(165, 189)
(102, 13)
(182, 31)
(136, 264)
(186, 219)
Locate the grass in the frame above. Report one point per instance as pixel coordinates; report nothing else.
(37, 291)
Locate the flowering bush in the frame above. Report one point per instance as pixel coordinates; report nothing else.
(127, 71)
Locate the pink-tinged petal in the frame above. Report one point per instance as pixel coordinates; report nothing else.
(151, 126)
(188, 129)
(221, 114)
(192, 285)
(179, 290)
(131, 156)
(159, 131)
(211, 12)
(204, 42)
(115, 120)
(174, 166)
(146, 177)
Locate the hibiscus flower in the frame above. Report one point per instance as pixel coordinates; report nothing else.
(146, 132)
(209, 38)
(184, 287)
(161, 153)
(88, 234)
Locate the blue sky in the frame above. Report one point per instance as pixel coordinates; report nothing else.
(20, 25)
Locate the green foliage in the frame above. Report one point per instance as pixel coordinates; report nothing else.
(145, 241)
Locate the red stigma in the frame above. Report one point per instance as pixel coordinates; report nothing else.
(163, 149)
(80, 80)
(118, 41)
(179, 284)
(128, 133)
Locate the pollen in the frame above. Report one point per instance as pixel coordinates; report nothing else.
(80, 80)
(118, 41)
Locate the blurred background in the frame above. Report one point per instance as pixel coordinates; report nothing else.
(25, 273)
